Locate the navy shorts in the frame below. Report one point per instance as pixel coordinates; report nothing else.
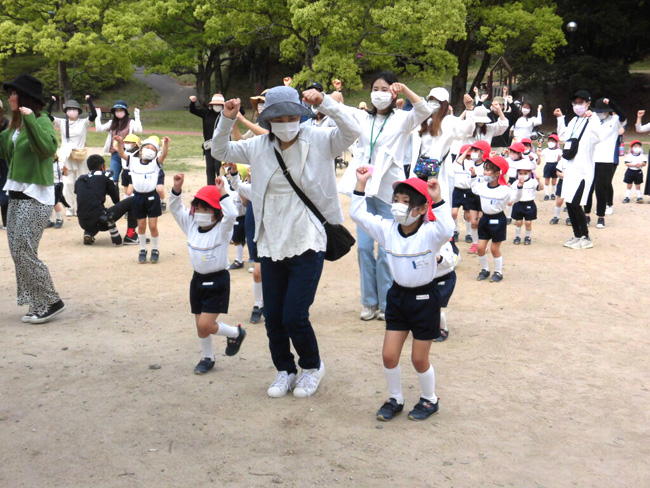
(524, 211)
(558, 188)
(146, 205)
(126, 177)
(492, 227)
(161, 177)
(210, 293)
(462, 198)
(633, 177)
(414, 309)
(445, 285)
(239, 231)
(550, 170)
(249, 225)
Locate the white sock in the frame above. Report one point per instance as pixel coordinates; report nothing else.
(59, 215)
(257, 293)
(443, 320)
(638, 193)
(498, 265)
(547, 190)
(552, 189)
(483, 261)
(509, 212)
(556, 211)
(428, 384)
(142, 239)
(517, 231)
(239, 253)
(529, 233)
(227, 330)
(206, 347)
(628, 193)
(394, 381)
(154, 242)
(474, 233)
(468, 228)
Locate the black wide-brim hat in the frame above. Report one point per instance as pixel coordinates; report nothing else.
(27, 85)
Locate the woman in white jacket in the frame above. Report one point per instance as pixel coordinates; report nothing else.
(120, 125)
(385, 133)
(526, 124)
(291, 241)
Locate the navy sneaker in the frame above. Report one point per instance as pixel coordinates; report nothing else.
(554, 221)
(496, 277)
(483, 275)
(58, 224)
(142, 257)
(205, 365)
(546, 198)
(424, 409)
(236, 265)
(256, 315)
(155, 254)
(233, 345)
(49, 225)
(468, 238)
(517, 240)
(389, 409)
(444, 333)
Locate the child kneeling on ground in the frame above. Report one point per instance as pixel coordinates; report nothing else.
(411, 241)
(208, 225)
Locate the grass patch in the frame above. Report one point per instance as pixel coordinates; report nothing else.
(136, 93)
(170, 120)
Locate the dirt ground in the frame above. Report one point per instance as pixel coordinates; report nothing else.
(544, 381)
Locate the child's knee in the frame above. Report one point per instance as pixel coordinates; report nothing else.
(421, 364)
(391, 360)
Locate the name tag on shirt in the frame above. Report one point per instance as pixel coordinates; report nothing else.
(567, 145)
(422, 297)
(494, 221)
(420, 262)
(150, 198)
(208, 283)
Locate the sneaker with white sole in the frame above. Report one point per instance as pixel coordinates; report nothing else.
(601, 223)
(283, 384)
(586, 243)
(381, 316)
(55, 309)
(308, 382)
(25, 319)
(609, 210)
(571, 241)
(369, 313)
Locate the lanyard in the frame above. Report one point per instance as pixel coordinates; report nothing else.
(576, 126)
(372, 131)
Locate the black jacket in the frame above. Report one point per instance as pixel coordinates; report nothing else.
(91, 190)
(210, 119)
(504, 140)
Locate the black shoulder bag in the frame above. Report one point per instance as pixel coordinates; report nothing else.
(339, 239)
(570, 149)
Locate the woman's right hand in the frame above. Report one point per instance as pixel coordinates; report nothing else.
(557, 112)
(231, 108)
(179, 179)
(193, 99)
(640, 113)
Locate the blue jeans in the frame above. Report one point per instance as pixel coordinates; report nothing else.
(375, 275)
(289, 287)
(116, 166)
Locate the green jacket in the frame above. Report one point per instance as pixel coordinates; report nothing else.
(30, 158)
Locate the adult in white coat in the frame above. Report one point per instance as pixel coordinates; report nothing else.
(385, 133)
(291, 241)
(525, 125)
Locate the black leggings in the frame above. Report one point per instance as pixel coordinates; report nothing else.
(3, 210)
(577, 213)
(604, 174)
(212, 167)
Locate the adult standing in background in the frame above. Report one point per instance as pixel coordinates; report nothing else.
(120, 125)
(29, 145)
(210, 116)
(4, 199)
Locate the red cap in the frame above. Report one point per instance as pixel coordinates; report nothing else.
(464, 148)
(554, 137)
(517, 147)
(483, 146)
(503, 166)
(526, 140)
(635, 142)
(420, 186)
(210, 195)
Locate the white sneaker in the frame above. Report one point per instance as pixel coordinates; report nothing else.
(69, 213)
(251, 269)
(369, 313)
(586, 243)
(381, 316)
(609, 210)
(283, 384)
(571, 241)
(308, 382)
(25, 319)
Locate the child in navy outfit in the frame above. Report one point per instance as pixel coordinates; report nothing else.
(411, 241)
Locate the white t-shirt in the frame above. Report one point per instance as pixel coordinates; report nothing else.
(494, 200)
(528, 191)
(143, 176)
(634, 159)
(551, 156)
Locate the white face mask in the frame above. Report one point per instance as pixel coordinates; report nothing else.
(525, 111)
(260, 107)
(636, 150)
(217, 108)
(434, 104)
(579, 110)
(526, 177)
(203, 219)
(474, 156)
(381, 100)
(527, 151)
(129, 147)
(285, 131)
(552, 145)
(489, 178)
(603, 116)
(148, 154)
(402, 215)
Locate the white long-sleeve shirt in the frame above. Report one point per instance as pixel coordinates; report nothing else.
(449, 260)
(606, 150)
(493, 129)
(208, 250)
(494, 200)
(412, 259)
(524, 126)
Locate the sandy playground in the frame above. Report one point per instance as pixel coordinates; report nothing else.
(544, 381)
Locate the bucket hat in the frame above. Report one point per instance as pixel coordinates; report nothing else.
(281, 101)
(481, 115)
(217, 99)
(72, 104)
(120, 104)
(27, 85)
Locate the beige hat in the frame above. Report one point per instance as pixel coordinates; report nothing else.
(499, 100)
(217, 99)
(259, 98)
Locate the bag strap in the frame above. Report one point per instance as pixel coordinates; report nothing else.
(300, 193)
(584, 128)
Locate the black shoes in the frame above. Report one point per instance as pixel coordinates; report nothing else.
(256, 315)
(554, 221)
(444, 333)
(496, 277)
(142, 257)
(116, 240)
(236, 265)
(389, 409)
(483, 275)
(205, 365)
(155, 254)
(517, 241)
(88, 239)
(233, 345)
(52, 311)
(424, 409)
(527, 241)
(468, 239)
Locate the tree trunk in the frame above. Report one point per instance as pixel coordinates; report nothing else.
(485, 64)
(311, 51)
(459, 81)
(203, 79)
(65, 85)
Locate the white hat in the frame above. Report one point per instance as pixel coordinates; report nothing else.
(217, 99)
(481, 115)
(439, 93)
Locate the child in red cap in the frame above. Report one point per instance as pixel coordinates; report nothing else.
(634, 160)
(412, 242)
(495, 195)
(462, 196)
(551, 156)
(208, 225)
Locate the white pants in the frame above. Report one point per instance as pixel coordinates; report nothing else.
(75, 170)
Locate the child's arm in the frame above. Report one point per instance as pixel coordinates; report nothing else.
(254, 128)
(540, 184)
(445, 224)
(244, 189)
(373, 225)
(228, 208)
(176, 207)
(164, 151)
(461, 157)
(119, 147)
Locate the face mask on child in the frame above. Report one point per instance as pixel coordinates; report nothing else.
(474, 156)
(552, 145)
(148, 154)
(129, 147)
(636, 150)
(526, 177)
(203, 219)
(489, 178)
(402, 215)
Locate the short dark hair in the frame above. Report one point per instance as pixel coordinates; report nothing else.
(95, 161)
(416, 199)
